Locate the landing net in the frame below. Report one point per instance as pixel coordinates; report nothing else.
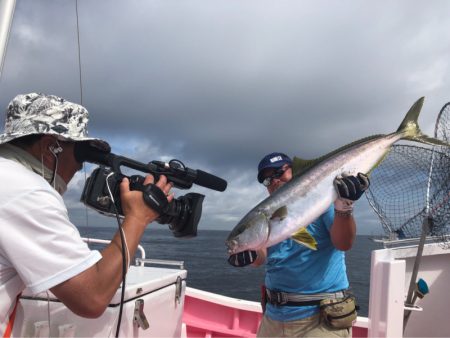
(412, 183)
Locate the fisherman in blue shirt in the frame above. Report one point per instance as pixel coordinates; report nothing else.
(306, 274)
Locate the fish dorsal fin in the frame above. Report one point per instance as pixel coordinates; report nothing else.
(303, 237)
(280, 213)
(300, 165)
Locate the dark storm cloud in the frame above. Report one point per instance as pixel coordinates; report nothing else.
(219, 84)
(231, 76)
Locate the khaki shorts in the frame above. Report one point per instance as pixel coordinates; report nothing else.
(307, 327)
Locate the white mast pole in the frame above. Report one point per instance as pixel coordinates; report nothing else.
(6, 15)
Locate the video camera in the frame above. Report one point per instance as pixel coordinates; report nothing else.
(102, 192)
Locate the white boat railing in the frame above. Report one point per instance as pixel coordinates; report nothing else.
(391, 242)
(106, 241)
(142, 260)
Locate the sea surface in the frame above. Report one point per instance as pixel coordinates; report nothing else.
(205, 258)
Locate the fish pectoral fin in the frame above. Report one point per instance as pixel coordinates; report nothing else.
(280, 213)
(303, 237)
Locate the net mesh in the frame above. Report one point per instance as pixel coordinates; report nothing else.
(413, 182)
(442, 129)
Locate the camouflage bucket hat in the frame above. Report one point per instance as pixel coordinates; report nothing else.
(33, 113)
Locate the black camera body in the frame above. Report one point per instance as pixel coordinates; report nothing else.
(183, 213)
(102, 189)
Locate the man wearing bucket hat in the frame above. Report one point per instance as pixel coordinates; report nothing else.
(39, 247)
(306, 274)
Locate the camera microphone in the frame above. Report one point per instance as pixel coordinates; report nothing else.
(210, 181)
(198, 177)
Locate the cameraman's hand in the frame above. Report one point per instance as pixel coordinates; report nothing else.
(133, 203)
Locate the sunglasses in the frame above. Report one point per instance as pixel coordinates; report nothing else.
(277, 174)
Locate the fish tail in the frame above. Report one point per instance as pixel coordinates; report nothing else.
(410, 127)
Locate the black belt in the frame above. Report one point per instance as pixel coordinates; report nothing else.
(305, 303)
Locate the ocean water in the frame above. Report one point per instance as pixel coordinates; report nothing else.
(205, 259)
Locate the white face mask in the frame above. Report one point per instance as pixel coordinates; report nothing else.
(58, 183)
(60, 186)
(21, 156)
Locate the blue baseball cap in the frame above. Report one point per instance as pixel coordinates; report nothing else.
(272, 160)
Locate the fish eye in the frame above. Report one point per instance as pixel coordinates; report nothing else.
(263, 213)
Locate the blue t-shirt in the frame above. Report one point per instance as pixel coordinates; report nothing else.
(292, 267)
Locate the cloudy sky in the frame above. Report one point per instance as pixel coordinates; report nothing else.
(219, 84)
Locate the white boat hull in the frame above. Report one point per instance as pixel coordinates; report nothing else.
(391, 272)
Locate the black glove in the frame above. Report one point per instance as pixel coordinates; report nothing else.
(349, 189)
(242, 258)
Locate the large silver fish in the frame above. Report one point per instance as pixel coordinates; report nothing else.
(310, 193)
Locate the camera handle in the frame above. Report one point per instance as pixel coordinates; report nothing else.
(153, 196)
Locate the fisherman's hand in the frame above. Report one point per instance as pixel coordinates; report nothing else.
(349, 190)
(242, 258)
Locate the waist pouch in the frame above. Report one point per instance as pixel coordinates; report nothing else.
(339, 313)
